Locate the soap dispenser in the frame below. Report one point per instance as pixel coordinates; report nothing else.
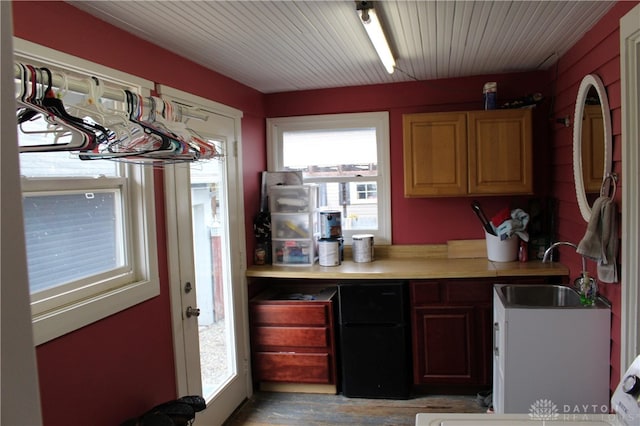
(587, 287)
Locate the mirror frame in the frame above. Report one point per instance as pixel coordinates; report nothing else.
(590, 80)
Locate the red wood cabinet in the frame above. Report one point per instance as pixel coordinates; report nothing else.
(452, 322)
(449, 331)
(293, 341)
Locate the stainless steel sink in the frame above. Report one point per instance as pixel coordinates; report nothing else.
(539, 296)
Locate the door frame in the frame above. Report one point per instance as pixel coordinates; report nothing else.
(18, 353)
(237, 263)
(630, 88)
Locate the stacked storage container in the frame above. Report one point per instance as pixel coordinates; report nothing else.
(294, 224)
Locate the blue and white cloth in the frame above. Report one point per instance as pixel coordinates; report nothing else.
(517, 225)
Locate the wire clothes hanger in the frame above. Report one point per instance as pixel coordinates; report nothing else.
(152, 130)
(164, 120)
(38, 100)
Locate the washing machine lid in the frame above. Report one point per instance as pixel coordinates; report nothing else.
(626, 398)
(469, 419)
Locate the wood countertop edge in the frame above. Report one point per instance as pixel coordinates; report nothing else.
(416, 268)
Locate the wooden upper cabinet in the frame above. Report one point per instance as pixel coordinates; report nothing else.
(500, 152)
(468, 153)
(435, 154)
(592, 148)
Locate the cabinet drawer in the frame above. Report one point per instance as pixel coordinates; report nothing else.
(425, 292)
(468, 291)
(304, 337)
(292, 367)
(304, 313)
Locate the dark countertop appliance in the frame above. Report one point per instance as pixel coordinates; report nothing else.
(374, 339)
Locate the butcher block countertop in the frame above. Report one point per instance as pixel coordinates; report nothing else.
(455, 259)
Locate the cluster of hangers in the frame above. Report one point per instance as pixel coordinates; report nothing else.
(152, 130)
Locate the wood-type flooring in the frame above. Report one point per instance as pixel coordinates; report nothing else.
(277, 408)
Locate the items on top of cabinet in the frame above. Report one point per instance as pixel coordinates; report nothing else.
(490, 95)
(294, 224)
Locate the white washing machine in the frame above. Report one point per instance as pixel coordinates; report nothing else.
(625, 402)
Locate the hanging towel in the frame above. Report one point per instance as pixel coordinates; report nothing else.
(607, 265)
(591, 244)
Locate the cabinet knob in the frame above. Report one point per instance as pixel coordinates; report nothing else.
(631, 385)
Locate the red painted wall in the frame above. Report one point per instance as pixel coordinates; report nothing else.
(598, 52)
(119, 367)
(419, 221)
(429, 220)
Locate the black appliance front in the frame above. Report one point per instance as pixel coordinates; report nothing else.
(374, 340)
(373, 303)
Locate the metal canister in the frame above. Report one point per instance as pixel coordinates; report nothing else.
(362, 248)
(328, 252)
(330, 224)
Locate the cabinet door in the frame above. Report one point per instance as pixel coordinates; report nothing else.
(592, 148)
(443, 352)
(500, 152)
(484, 334)
(435, 154)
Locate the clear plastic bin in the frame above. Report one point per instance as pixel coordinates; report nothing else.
(294, 252)
(293, 198)
(291, 225)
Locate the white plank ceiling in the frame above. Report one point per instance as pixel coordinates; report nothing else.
(278, 46)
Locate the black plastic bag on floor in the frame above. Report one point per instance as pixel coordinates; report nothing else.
(179, 412)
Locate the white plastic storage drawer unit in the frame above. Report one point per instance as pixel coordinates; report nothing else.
(294, 224)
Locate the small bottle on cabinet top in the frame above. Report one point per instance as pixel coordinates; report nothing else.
(490, 95)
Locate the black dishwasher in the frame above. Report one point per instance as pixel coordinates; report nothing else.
(374, 339)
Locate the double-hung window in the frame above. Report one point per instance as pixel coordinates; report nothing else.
(347, 156)
(89, 225)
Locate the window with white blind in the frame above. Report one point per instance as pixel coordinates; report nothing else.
(89, 224)
(347, 156)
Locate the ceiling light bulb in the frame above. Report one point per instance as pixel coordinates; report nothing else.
(374, 30)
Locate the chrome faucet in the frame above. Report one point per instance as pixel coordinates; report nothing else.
(548, 253)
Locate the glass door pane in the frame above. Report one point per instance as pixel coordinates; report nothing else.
(213, 290)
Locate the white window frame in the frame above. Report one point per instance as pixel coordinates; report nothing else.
(276, 127)
(353, 193)
(55, 313)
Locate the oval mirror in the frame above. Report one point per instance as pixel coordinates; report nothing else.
(591, 142)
